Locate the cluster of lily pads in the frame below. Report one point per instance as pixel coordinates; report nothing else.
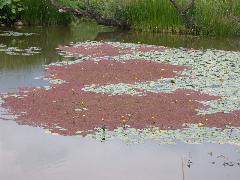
(51, 81)
(190, 134)
(1, 101)
(18, 51)
(213, 72)
(4, 114)
(15, 34)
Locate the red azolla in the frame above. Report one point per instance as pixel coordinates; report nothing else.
(82, 111)
(96, 50)
(109, 72)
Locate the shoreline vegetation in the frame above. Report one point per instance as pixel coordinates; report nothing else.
(197, 17)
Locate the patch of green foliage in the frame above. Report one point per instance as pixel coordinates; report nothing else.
(42, 12)
(32, 12)
(10, 10)
(218, 17)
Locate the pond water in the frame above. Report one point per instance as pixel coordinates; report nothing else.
(31, 153)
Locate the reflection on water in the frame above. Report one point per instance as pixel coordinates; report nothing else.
(176, 41)
(28, 153)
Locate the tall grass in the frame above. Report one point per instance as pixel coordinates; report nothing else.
(217, 17)
(154, 15)
(212, 17)
(42, 12)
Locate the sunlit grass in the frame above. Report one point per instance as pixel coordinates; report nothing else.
(154, 16)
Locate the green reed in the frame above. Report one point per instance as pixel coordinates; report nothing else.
(212, 17)
(42, 12)
(153, 15)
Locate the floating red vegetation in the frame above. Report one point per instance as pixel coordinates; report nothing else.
(76, 110)
(107, 50)
(113, 72)
(69, 107)
(96, 51)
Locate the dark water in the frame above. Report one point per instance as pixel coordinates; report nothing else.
(28, 153)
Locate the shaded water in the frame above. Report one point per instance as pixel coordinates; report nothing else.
(29, 153)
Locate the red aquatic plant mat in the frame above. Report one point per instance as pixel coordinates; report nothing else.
(68, 109)
(105, 49)
(113, 72)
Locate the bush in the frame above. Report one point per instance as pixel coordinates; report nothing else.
(42, 12)
(32, 12)
(10, 11)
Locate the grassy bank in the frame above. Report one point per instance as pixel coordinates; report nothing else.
(211, 17)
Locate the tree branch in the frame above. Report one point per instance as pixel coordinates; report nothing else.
(184, 12)
(190, 6)
(236, 18)
(90, 12)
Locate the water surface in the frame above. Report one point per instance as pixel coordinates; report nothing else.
(29, 153)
